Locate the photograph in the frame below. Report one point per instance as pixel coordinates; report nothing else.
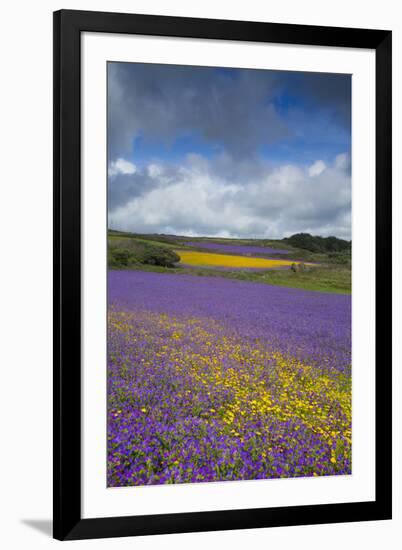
(202, 286)
(229, 269)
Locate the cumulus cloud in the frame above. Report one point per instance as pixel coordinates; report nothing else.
(317, 168)
(342, 162)
(231, 197)
(121, 166)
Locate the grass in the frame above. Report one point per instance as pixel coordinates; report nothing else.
(126, 237)
(329, 279)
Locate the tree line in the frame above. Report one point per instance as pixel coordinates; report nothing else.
(318, 244)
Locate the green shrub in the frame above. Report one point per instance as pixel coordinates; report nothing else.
(155, 255)
(126, 253)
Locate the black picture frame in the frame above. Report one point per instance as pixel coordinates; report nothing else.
(68, 522)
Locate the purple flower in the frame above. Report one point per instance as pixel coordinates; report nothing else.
(212, 379)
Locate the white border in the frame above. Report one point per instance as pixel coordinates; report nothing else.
(97, 500)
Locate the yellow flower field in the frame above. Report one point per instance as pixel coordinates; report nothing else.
(225, 260)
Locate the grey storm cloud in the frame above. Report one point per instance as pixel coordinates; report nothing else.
(162, 102)
(331, 90)
(234, 109)
(196, 198)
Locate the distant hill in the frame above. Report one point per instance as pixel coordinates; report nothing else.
(318, 244)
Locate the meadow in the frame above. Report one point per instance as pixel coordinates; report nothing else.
(301, 261)
(212, 378)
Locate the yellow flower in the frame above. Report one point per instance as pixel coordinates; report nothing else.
(228, 260)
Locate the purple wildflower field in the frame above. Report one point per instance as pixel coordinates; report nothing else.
(243, 250)
(211, 379)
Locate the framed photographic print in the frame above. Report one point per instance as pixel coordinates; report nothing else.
(222, 274)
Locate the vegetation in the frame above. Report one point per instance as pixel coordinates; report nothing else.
(126, 253)
(318, 244)
(161, 240)
(331, 272)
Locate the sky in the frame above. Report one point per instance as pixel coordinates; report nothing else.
(209, 151)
